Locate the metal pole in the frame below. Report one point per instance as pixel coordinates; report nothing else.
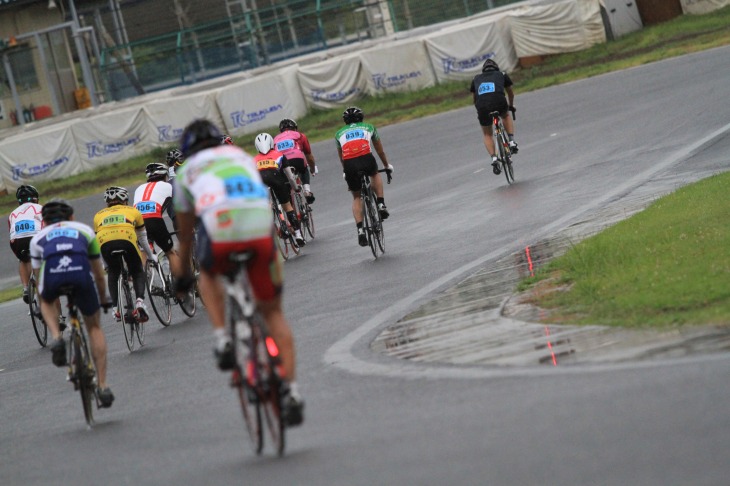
(44, 64)
(83, 56)
(14, 90)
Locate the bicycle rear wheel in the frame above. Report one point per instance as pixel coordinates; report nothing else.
(158, 292)
(250, 404)
(309, 218)
(269, 388)
(85, 375)
(370, 222)
(281, 244)
(187, 304)
(34, 309)
(508, 171)
(126, 308)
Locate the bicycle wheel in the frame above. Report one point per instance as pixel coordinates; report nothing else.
(34, 310)
(309, 219)
(126, 307)
(250, 404)
(85, 374)
(279, 235)
(157, 291)
(269, 387)
(377, 224)
(371, 227)
(508, 171)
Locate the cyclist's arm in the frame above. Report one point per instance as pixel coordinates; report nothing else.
(186, 229)
(307, 150)
(97, 268)
(510, 96)
(143, 242)
(378, 146)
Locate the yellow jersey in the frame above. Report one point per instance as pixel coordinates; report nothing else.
(118, 222)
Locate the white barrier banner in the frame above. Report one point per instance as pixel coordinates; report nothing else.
(402, 66)
(549, 29)
(170, 116)
(112, 137)
(458, 53)
(261, 102)
(330, 83)
(40, 155)
(590, 17)
(702, 6)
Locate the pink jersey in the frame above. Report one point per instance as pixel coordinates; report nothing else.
(292, 144)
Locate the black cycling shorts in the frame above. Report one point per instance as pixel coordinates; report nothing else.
(278, 182)
(158, 233)
(364, 163)
(20, 245)
(483, 112)
(134, 263)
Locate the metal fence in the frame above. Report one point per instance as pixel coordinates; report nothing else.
(250, 36)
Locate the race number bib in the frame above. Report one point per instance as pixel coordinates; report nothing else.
(284, 145)
(146, 207)
(243, 187)
(485, 88)
(24, 227)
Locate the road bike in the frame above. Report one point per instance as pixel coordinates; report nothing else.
(302, 209)
(81, 369)
(284, 232)
(256, 375)
(372, 223)
(126, 304)
(161, 290)
(501, 144)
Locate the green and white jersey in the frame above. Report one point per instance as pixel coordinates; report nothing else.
(223, 187)
(354, 139)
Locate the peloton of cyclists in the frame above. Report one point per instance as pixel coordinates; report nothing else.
(152, 199)
(355, 152)
(220, 192)
(121, 227)
(66, 253)
(294, 145)
(488, 91)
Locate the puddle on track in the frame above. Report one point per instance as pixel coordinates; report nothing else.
(480, 320)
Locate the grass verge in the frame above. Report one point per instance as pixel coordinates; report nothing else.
(682, 35)
(665, 266)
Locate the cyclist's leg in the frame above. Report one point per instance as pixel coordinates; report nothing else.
(113, 270)
(158, 234)
(488, 140)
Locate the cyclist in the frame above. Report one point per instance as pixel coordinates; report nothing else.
(226, 140)
(221, 194)
(121, 227)
(24, 223)
(66, 253)
(269, 163)
(354, 149)
(488, 91)
(152, 199)
(294, 145)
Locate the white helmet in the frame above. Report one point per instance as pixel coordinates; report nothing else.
(264, 143)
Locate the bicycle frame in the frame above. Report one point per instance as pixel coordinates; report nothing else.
(501, 146)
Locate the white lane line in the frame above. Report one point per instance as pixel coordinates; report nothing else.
(340, 354)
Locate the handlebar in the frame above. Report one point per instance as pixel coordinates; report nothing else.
(388, 173)
(514, 112)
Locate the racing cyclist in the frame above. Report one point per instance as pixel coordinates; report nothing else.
(66, 253)
(219, 192)
(354, 149)
(24, 222)
(152, 199)
(269, 162)
(294, 145)
(488, 91)
(121, 227)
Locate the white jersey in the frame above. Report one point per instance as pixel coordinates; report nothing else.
(150, 198)
(222, 186)
(25, 221)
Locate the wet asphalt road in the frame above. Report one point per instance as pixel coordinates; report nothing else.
(375, 419)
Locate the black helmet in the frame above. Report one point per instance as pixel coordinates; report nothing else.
(287, 124)
(490, 65)
(56, 210)
(174, 157)
(353, 114)
(156, 171)
(115, 194)
(199, 135)
(26, 193)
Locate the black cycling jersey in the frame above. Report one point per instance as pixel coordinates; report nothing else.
(489, 88)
